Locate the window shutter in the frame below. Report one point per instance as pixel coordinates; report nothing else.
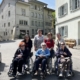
(59, 30)
(66, 8)
(66, 31)
(59, 12)
(71, 7)
(79, 3)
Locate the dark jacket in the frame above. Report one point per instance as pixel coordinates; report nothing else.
(28, 45)
(61, 51)
(24, 53)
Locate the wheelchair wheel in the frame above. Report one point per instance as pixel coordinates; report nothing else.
(30, 64)
(10, 73)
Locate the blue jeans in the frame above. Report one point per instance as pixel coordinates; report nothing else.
(42, 61)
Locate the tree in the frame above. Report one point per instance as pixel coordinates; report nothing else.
(53, 21)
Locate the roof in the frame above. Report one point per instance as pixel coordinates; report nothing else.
(23, 2)
(39, 2)
(49, 9)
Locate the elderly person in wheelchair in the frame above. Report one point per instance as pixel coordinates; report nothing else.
(20, 57)
(63, 59)
(42, 56)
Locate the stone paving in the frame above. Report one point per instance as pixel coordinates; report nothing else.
(8, 49)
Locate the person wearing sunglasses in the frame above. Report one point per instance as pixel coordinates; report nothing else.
(42, 56)
(63, 52)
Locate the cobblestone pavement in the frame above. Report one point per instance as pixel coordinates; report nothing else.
(8, 49)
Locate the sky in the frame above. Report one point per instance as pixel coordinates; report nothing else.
(51, 3)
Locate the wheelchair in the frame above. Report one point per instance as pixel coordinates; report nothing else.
(47, 71)
(27, 67)
(65, 66)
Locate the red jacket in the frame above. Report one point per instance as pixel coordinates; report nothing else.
(49, 43)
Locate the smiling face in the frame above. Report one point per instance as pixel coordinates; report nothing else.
(62, 46)
(49, 36)
(27, 38)
(43, 45)
(39, 32)
(58, 36)
(22, 47)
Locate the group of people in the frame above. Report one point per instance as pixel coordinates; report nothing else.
(44, 49)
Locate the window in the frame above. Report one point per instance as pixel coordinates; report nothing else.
(63, 10)
(8, 4)
(11, 31)
(21, 22)
(4, 24)
(32, 31)
(35, 15)
(32, 23)
(35, 7)
(41, 8)
(41, 16)
(38, 8)
(74, 4)
(35, 23)
(23, 12)
(2, 16)
(32, 6)
(25, 23)
(32, 14)
(6, 33)
(28, 32)
(8, 24)
(63, 31)
(8, 13)
(39, 24)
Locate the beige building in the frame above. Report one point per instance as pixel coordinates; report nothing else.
(18, 17)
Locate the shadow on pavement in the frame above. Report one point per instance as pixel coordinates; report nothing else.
(2, 65)
(23, 77)
(11, 41)
(48, 77)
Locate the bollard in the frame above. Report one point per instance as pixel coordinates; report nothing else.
(0, 57)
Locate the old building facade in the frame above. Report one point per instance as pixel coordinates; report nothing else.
(18, 17)
(68, 19)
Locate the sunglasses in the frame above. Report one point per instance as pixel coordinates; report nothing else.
(22, 45)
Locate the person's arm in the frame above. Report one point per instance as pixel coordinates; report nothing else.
(30, 44)
(47, 53)
(68, 52)
(37, 53)
(16, 53)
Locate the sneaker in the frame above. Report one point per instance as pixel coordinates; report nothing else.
(36, 73)
(68, 74)
(13, 75)
(60, 75)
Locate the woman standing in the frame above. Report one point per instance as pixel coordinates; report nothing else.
(28, 42)
(38, 39)
(50, 43)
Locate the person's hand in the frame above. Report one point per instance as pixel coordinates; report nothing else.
(62, 56)
(65, 53)
(20, 56)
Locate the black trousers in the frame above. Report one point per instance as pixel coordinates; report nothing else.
(52, 54)
(17, 65)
